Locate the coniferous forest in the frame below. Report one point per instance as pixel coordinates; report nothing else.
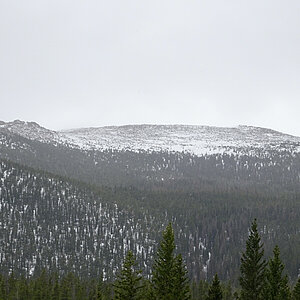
(149, 150)
(259, 279)
(82, 224)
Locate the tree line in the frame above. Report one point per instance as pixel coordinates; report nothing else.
(259, 279)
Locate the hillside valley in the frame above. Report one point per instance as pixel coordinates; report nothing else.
(111, 189)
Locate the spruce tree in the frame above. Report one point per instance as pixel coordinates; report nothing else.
(169, 273)
(127, 283)
(163, 268)
(23, 289)
(146, 293)
(3, 294)
(253, 267)
(55, 288)
(181, 284)
(99, 289)
(276, 287)
(215, 290)
(296, 291)
(285, 291)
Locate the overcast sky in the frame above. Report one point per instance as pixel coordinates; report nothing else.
(88, 63)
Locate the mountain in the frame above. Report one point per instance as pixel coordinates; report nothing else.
(210, 182)
(197, 140)
(143, 154)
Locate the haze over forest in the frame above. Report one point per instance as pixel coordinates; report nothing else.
(149, 150)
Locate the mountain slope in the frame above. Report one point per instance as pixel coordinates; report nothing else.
(211, 198)
(266, 157)
(48, 221)
(197, 140)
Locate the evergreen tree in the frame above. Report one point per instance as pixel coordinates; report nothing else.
(163, 268)
(285, 291)
(169, 273)
(3, 294)
(215, 291)
(23, 289)
(67, 287)
(253, 267)
(181, 284)
(296, 291)
(227, 291)
(99, 289)
(12, 286)
(276, 283)
(127, 284)
(55, 291)
(41, 287)
(203, 288)
(146, 293)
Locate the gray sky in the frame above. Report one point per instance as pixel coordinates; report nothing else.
(72, 63)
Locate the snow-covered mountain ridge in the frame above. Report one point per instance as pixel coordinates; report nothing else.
(198, 140)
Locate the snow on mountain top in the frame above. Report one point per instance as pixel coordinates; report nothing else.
(31, 130)
(194, 139)
(198, 140)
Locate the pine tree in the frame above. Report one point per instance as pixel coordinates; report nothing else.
(127, 284)
(12, 286)
(215, 291)
(67, 287)
(285, 292)
(23, 289)
(3, 294)
(163, 268)
(41, 287)
(169, 274)
(146, 293)
(181, 284)
(276, 283)
(55, 290)
(253, 267)
(296, 291)
(99, 289)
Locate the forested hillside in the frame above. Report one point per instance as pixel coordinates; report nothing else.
(48, 221)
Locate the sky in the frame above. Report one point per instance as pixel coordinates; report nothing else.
(70, 63)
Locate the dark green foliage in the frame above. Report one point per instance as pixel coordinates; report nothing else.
(3, 293)
(253, 267)
(296, 291)
(127, 284)
(285, 292)
(42, 288)
(181, 281)
(276, 287)
(77, 210)
(99, 289)
(163, 268)
(227, 291)
(146, 293)
(169, 274)
(215, 290)
(23, 289)
(199, 290)
(55, 288)
(130, 285)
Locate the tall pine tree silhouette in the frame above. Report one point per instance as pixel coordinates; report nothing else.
(296, 291)
(215, 290)
(169, 274)
(253, 267)
(276, 282)
(127, 284)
